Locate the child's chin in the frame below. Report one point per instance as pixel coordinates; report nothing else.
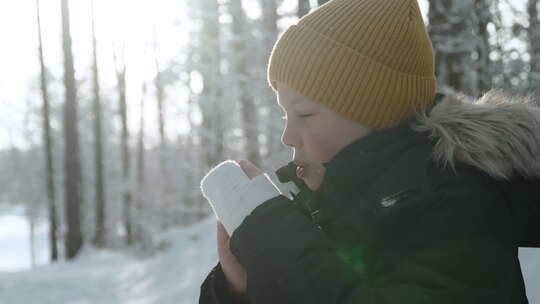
(311, 184)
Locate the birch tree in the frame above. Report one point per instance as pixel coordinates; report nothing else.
(159, 83)
(273, 125)
(321, 2)
(451, 31)
(533, 35)
(120, 65)
(72, 163)
(141, 191)
(211, 103)
(484, 67)
(303, 8)
(240, 63)
(48, 143)
(100, 232)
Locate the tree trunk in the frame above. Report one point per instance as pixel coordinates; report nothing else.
(161, 120)
(484, 15)
(32, 233)
(500, 78)
(273, 125)
(321, 2)
(533, 34)
(72, 164)
(240, 68)
(194, 144)
(451, 30)
(100, 232)
(303, 8)
(122, 103)
(165, 186)
(47, 140)
(210, 101)
(140, 172)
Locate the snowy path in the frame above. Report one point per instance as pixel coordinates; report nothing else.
(173, 276)
(107, 277)
(530, 267)
(89, 280)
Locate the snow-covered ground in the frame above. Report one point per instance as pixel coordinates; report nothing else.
(105, 277)
(172, 276)
(15, 241)
(530, 266)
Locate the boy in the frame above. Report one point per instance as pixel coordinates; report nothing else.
(406, 196)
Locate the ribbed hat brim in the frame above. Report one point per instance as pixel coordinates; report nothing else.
(344, 80)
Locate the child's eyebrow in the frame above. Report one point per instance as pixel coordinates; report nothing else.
(295, 100)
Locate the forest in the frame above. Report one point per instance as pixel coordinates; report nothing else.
(126, 105)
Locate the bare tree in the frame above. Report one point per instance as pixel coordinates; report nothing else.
(484, 17)
(165, 184)
(197, 154)
(533, 34)
(72, 164)
(303, 8)
(160, 98)
(47, 140)
(321, 2)
(31, 189)
(212, 107)
(100, 230)
(269, 22)
(451, 29)
(122, 106)
(140, 171)
(239, 66)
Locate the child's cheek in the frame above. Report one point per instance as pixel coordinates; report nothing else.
(326, 149)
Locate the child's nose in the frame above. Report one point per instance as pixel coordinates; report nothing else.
(291, 139)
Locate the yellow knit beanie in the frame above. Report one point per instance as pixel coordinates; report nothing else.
(368, 60)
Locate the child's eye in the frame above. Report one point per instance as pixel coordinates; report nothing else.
(299, 115)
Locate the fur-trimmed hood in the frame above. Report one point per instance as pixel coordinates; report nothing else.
(497, 133)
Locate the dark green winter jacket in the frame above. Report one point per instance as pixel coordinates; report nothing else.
(431, 211)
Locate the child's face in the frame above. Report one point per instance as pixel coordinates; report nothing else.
(315, 133)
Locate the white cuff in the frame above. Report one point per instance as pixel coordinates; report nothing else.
(232, 195)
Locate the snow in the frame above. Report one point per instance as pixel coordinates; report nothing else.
(15, 241)
(173, 275)
(530, 267)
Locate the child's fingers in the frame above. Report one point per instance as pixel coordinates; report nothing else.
(222, 233)
(249, 168)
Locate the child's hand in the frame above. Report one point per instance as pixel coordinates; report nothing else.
(249, 168)
(234, 272)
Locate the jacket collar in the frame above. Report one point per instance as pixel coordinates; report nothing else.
(378, 140)
(497, 133)
(357, 165)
